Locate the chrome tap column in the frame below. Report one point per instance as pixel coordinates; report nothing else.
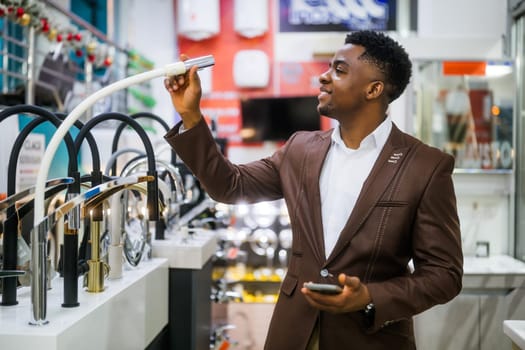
(38, 276)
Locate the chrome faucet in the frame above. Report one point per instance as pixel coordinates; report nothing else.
(89, 199)
(176, 68)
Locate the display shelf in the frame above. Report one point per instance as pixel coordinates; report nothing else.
(186, 251)
(493, 292)
(494, 272)
(483, 171)
(515, 330)
(128, 314)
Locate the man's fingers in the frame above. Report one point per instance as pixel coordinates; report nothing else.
(352, 282)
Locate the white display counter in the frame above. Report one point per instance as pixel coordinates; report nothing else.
(190, 278)
(188, 250)
(515, 330)
(128, 314)
(493, 291)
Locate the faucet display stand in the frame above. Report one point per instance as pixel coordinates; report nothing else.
(190, 268)
(130, 314)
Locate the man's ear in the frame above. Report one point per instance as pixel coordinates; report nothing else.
(375, 89)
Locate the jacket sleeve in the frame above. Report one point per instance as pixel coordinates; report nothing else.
(224, 181)
(437, 255)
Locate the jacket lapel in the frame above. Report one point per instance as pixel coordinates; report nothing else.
(316, 154)
(383, 172)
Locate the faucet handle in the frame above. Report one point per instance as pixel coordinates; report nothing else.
(11, 273)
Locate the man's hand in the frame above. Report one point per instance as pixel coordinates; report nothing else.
(354, 296)
(185, 92)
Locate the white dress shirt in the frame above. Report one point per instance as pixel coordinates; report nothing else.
(342, 176)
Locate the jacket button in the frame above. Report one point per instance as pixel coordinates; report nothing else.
(324, 273)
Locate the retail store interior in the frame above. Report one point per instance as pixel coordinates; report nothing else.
(110, 242)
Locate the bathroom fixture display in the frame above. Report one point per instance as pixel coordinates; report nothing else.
(159, 224)
(38, 267)
(52, 187)
(177, 192)
(106, 317)
(133, 248)
(88, 199)
(118, 235)
(11, 200)
(10, 226)
(153, 188)
(69, 256)
(120, 129)
(110, 169)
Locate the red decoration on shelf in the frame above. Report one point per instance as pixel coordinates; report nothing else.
(19, 12)
(70, 39)
(45, 25)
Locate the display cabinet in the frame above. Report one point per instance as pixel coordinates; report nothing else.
(467, 109)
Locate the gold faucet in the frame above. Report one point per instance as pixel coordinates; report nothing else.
(98, 269)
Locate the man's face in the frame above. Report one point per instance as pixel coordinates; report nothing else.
(345, 84)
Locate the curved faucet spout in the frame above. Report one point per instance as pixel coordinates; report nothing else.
(121, 127)
(171, 69)
(11, 200)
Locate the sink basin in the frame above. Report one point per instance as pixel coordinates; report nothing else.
(498, 271)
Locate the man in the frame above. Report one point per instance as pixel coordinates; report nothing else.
(364, 199)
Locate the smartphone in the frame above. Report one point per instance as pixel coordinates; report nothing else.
(323, 288)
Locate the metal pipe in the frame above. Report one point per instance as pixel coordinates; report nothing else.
(38, 276)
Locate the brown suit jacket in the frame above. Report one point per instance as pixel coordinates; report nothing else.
(406, 210)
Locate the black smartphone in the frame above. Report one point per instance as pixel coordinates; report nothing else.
(323, 288)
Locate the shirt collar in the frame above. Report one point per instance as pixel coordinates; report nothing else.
(376, 139)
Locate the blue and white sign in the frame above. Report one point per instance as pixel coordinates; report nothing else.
(336, 15)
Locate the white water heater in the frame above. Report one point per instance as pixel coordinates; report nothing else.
(251, 17)
(198, 19)
(251, 69)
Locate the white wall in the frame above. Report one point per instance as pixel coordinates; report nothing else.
(149, 27)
